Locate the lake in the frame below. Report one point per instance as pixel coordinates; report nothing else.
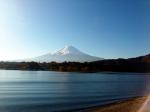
(46, 91)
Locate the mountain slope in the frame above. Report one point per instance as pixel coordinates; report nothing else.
(68, 54)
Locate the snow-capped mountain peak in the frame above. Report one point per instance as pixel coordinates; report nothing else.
(68, 54)
(68, 50)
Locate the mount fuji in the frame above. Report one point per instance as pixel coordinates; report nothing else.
(68, 54)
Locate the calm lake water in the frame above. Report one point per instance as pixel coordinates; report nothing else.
(44, 91)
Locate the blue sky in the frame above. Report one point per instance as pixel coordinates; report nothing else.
(104, 28)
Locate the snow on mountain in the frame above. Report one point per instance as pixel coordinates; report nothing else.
(68, 50)
(68, 54)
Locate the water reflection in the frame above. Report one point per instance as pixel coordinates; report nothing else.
(44, 91)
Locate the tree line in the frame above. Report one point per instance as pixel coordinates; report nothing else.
(138, 64)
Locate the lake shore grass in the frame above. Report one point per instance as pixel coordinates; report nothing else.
(130, 105)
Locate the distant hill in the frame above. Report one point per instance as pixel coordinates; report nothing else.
(145, 58)
(137, 64)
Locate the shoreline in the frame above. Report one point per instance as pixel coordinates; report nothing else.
(107, 72)
(129, 105)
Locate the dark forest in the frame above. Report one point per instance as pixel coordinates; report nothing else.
(138, 64)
